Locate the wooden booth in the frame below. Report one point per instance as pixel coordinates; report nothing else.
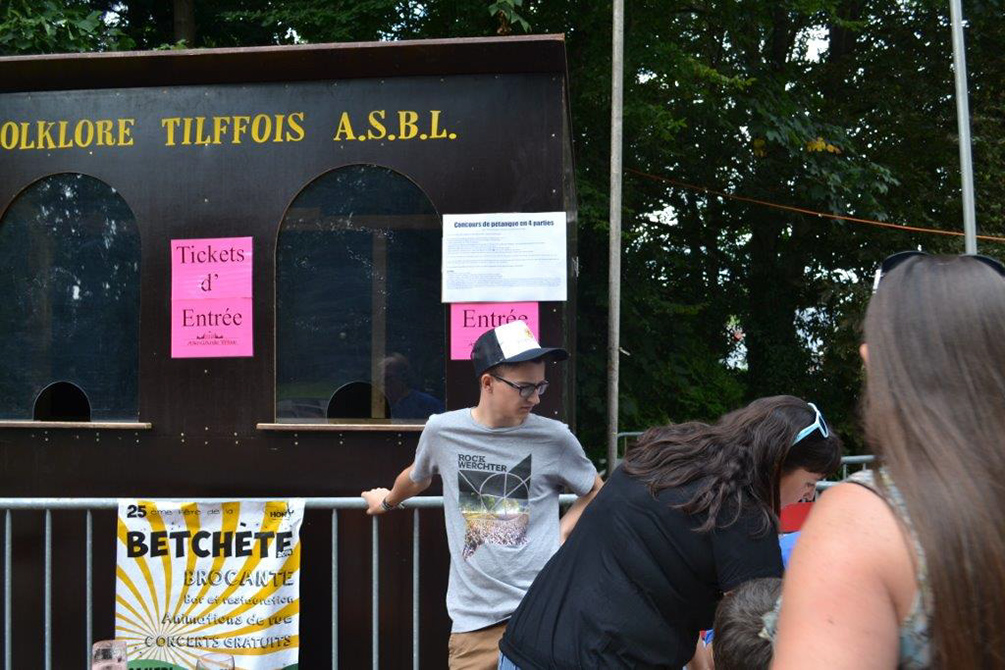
(332, 167)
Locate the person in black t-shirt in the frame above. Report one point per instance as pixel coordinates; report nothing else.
(691, 514)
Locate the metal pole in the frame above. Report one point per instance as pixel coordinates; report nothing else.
(963, 123)
(334, 589)
(374, 596)
(89, 584)
(47, 594)
(614, 291)
(346, 503)
(415, 589)
(8, 584)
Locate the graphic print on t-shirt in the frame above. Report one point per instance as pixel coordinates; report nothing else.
(495, 502)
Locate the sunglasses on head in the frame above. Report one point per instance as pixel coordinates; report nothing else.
(819, 424)
(525, 390)
(890, 262)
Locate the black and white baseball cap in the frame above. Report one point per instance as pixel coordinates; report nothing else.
(510, 343)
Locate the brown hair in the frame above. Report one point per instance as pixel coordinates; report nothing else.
(935, 414)
(736, 462)
(739, 620)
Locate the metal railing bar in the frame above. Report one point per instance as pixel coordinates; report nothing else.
(47, 594)
(374, 594)
(415, 589)
(845, 460)
(88, 583)
(334, 589)
(354, 502)
(7, 596)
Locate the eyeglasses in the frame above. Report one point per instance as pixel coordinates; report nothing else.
(890, 262)
(526, 390)
(818, 424)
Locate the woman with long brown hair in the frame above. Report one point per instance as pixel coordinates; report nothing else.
(692, 513)
(907, 569)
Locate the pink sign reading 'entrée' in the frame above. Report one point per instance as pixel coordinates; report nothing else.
(468, 320)
(211, 298)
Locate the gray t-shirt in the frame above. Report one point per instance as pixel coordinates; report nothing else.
(500, 501)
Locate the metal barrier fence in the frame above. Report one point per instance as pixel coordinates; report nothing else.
(334, 504)
(622, 439)
(861, 462)
(857, 462)
(90, 504)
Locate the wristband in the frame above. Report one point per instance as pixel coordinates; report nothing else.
(386, 507)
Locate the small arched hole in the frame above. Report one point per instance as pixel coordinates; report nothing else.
(355, 400)
(62, 401)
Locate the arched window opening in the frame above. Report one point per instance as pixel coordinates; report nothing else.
(70, 250)
(360, 325)
(62, 401)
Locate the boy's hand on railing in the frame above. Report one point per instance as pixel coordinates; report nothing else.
(374, 498)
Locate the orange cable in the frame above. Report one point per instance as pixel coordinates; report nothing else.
(802, 210)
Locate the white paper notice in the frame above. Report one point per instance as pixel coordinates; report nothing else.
(504, 257)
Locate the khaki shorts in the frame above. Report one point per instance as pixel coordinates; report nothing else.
(476, 650)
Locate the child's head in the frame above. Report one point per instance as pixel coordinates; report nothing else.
(739, 620)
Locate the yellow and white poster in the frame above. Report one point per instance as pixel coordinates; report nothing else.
(196, 579)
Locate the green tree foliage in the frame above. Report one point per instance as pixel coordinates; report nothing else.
(52, 26)
(840, 106)
(234, 23)
(833, 105)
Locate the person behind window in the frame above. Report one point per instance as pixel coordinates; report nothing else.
(690, 514)
(406, 402)
(904, 566)
(503, 468)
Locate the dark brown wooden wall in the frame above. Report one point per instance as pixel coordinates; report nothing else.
(511, 154)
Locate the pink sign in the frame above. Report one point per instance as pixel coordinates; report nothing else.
(468, 320)
(211, 298)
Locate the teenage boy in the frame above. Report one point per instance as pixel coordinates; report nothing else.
(502, 469)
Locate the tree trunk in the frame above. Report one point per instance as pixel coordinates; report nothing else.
(776, 362)
(184, 22)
